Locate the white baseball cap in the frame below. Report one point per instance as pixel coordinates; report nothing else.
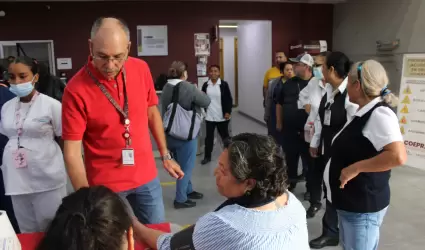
(307, 59)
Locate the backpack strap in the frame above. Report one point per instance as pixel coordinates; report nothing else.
(192, 123)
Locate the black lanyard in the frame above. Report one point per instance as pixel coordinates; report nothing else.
(123, 111)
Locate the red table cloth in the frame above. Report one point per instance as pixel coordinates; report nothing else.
(30, 241)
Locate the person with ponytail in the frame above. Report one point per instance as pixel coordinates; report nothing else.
(362, 156)
(188, 96)
(91, 218)
(335, 109)
(33, 166)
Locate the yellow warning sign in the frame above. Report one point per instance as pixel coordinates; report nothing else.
(407, 90)
(406, 100)
(402, 130)
(404, 110)
(403, 120)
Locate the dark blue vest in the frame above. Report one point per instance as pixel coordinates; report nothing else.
(368, 192)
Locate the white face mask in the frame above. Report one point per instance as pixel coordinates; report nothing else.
(317, 72)
(22, 89)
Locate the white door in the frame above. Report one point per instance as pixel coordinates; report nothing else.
(254, 59)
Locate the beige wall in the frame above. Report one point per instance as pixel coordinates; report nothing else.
(358, 24)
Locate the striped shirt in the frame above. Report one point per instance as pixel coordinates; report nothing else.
(236, 227)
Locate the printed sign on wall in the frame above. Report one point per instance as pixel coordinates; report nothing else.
(411, 108)
(152, 40)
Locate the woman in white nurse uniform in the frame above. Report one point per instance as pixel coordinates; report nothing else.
(33, 167)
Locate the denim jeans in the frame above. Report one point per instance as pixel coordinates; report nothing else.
(146, 202)
(360, 231)
(184, 152)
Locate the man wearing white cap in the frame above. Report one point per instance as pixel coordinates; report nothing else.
(294, 117)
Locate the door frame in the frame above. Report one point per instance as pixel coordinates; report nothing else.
(221, 56)
(49, 42)
(236, 71)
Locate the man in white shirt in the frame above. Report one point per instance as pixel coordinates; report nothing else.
(310, 98)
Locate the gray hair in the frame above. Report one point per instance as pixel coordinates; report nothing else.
(254, 156)
(98, 23)
(374, 81)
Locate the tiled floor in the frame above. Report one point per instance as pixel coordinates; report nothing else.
(403, 228)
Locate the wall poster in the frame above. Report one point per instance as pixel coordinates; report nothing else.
(411, 108)
(202, 44)
(152, 40)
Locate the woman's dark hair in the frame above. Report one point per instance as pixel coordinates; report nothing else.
(340, 62)
(30, 62)
(177, 70)
(93, 218)
(254, 156)
(283, 65)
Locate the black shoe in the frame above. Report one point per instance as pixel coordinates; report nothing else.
(324, 241)
(313, 209)
(195, 195)
(307, 196)
(205, 161)
(186, 204)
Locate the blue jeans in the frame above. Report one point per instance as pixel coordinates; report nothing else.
(184, 152)
(360, 231)
(146, 202)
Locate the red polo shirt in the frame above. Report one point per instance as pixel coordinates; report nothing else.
(89, 116)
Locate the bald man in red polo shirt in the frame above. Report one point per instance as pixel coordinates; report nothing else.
(109, 107)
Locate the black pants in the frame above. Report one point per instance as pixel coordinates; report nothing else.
(315, 178)
(6, 205)
(330, 221)
(223, 131)
(294, 147)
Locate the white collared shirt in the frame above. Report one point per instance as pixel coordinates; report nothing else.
(381, 129)
(46, 168)
(312, 94)
(174, 81)
(350, 107)
(215, 110)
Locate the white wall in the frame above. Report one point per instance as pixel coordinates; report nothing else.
(254, 59)
(358, 24)
(228, 35)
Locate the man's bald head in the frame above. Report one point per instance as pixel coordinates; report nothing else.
(110, 24)
(109, 45)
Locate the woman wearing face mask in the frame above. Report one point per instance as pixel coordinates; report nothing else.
(33, 167)
(184, 151)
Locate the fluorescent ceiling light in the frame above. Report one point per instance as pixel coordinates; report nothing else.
(228, 26)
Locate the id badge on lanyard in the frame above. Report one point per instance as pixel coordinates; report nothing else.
(127, 153)
(19, 155)
(328, 112)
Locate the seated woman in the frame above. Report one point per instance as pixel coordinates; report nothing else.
(91, 218)
(260, 212)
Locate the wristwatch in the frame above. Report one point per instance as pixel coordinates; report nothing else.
(166, 157)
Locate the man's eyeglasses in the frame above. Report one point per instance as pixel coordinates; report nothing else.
(106, 59)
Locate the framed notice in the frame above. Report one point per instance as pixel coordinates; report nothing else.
(411, 108)
(152, 40)
(202, 44)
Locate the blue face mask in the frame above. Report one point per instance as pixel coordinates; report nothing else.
(317, 71)
(22, 89)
